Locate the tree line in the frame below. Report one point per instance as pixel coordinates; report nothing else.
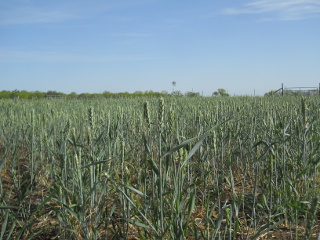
(17, 94)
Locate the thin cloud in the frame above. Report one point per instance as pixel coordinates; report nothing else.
(42, 56)
(285, 10)
(31, 15)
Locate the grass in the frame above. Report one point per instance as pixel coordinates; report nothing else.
(148, 168)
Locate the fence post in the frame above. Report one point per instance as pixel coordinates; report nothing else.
(282, 89)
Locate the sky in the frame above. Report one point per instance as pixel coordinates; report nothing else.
(246, 47)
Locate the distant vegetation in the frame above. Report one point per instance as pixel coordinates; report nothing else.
(221, 93)
(106, 94)
(54, 94)
(287, 92)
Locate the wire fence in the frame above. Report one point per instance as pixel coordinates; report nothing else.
(298, 90)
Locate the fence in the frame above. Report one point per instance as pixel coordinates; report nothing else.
(282, 89)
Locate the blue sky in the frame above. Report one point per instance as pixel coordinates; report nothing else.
(139, 45)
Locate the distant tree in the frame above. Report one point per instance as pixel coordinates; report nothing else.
(14, 94)
(24, 94)
(123, 94)
(174, 83)
(138, 94)
(50, 93)
(176, 94)
(83, 95)
(53, 94)
(38, 94)
(5, 94)
(221, 93)
(150, 92)
(95, 95)
(72, 95)
(192, 94)
(164, 92)
(107, 94)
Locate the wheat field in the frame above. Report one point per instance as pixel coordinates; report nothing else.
(160, 168)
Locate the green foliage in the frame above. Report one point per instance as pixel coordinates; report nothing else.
(221, 93)
(16, 94)
(192, 94)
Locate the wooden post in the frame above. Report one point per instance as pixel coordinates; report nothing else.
(282, 89)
